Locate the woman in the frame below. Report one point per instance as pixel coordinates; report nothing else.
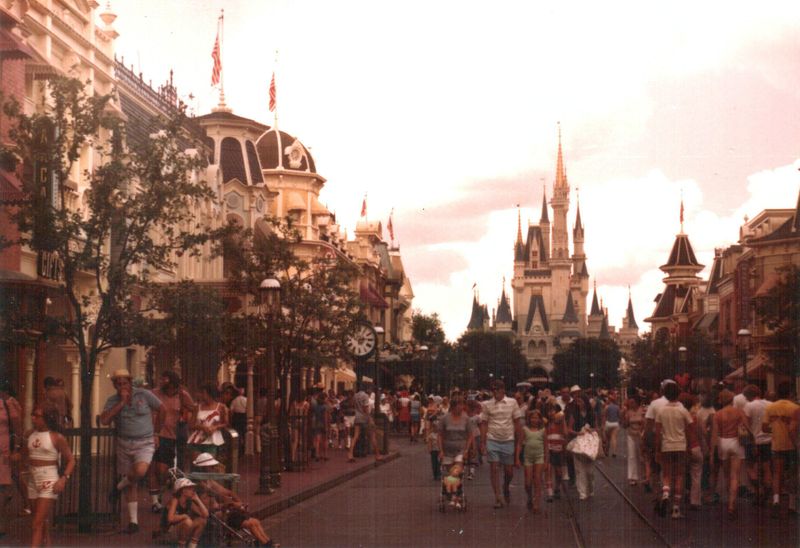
(298, 414)
(725, 437)
(611, 419)
(415, 409)
(43, 448)
(455, 434)
(633, 420)
(210, 419)
(186, 513)
(10, 440)
(582, 418)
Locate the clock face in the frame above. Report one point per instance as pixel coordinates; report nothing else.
(361, 342)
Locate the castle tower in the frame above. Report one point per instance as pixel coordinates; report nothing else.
(544, 223)
(503, 320)
(476, 317)
(579, 282)
(629, 333)
(560, 263)
(595, 318)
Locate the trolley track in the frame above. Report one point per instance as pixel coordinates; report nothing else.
(580, 539)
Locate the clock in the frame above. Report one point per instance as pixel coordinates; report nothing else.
(362, 340)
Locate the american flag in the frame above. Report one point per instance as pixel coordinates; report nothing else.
(390, 226)
(217, 69)
(272, 94)
(364, 207)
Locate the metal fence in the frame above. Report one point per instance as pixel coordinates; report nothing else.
(300, 442)
(104, 477)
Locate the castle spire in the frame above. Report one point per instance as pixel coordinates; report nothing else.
(561, 173)
(595, 305)
(578, 224)
(545, 217)
(519, 226)
(629, 315)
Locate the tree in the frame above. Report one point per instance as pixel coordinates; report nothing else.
(485, 356)
(779, 310)
(588, 362)
(138, 214)
(427, 329)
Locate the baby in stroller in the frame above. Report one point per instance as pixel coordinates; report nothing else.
(452, 483)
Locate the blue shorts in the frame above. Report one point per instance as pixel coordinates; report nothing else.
(500, 451)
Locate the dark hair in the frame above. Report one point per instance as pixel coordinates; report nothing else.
(498, 384)
(211, 390)
(50, 381)
(671, 391)
(751, 392)
(174, 378)
(51, 416)
(784, 390)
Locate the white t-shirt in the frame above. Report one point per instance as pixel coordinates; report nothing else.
(754, 411)
(239, 405)
(739, 401)
(500, 417)
(654, 407)
(674, 420)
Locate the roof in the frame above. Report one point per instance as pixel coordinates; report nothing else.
(714, 276)
(569, 314)
(476, 318)
(682, 254)
(666, 305)
(534, 234)
(789, 230)
(12, 46)
(536, 305)
(226, 116)
(629, 315)
(279, 150)
(604, 334)
(503, 310)
(584, 270)
(544, 218)
(595, 305)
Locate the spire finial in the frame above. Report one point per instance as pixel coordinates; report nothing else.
(519, 225)
(681, 210)
(545, 218)
(561, 174)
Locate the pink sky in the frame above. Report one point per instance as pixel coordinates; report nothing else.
(447, 111)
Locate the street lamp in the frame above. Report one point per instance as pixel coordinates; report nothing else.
(381, 334)
(743, 337)
(683, 353)
(270, 470)
(591, 380)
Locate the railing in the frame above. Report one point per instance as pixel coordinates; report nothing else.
(300, 442)
(104, 477)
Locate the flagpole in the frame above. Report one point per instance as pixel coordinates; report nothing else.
(221, 26)
(276, 92)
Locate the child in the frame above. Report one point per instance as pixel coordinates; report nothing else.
(536, 454)
(186, 513)
(452, 481)
(556, 432)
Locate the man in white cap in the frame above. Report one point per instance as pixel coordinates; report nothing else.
(132, 410)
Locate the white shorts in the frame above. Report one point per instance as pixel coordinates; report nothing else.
(611, 425)
(729, 447)
(41, 480)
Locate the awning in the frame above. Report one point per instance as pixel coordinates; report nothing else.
(12, 46)
(10, 185)
(769, 282)
(706, 321)
(369, 295)
(757, 367)
(345, 375)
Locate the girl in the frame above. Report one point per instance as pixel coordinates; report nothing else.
(186, 513)
(536, 454)
(42, 451)
(415, 407)
(320, 418)
(210, 419)
(556, 432)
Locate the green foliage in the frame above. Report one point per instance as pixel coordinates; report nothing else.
(657, 358)
(575, 363)
(427, 329)
(318, 299)
(779, 309)
(483, 356)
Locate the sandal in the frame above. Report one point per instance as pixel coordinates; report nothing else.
(498, 504)
(351, 459)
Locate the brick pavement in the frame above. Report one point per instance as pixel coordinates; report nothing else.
(295, 487)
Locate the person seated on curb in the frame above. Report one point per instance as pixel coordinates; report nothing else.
(185, 514)
(225, 504)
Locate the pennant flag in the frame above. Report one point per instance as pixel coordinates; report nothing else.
(364, 207)
(217, 69)
(390, 227)
(272, 94)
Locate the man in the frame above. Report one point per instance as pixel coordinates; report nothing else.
(758, 453)
(673, 429)
(177, 405)
(781, 419)
(132, 411)
(649, 437)
(364, 423)
(501, 431)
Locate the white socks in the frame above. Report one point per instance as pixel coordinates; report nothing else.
(133, 512)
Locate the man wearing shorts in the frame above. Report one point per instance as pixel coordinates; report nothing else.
(501, 430)
(132, 411)
(364, 425)
(758, 454)
(781, 419)
(178, 405)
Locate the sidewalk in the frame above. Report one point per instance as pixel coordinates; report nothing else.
(295, 488)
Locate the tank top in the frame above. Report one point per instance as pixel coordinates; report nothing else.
(40, 446)
(534, 442)
(208, 418)
(555, 438)
(612, 412)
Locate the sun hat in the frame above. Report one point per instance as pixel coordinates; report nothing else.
(120, 373)
(575, 388)
(205, 459)
(182, 483)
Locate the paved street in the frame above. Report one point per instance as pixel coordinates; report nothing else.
(396, 505)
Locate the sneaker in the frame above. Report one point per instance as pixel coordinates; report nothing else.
(156, 507)
(549, 498)
(662, 506)
(470, 476)
(676, 513)
(132, 528)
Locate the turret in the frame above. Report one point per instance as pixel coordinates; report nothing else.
(544, 223)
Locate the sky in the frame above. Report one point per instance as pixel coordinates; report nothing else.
(448, 114)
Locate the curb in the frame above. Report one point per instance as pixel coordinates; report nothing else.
(281, 505)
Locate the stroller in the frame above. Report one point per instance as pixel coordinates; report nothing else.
(457, 498)
(217, 531)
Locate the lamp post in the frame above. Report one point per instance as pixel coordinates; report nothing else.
(743, 337)
(683, 353)
(381, 333)
(591, 380)
(269, 476)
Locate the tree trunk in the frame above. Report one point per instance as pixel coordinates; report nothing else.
(85, 509)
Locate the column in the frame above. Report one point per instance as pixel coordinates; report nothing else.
(75, 395)
(249, 440)
(30, 360)
(98, 368)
